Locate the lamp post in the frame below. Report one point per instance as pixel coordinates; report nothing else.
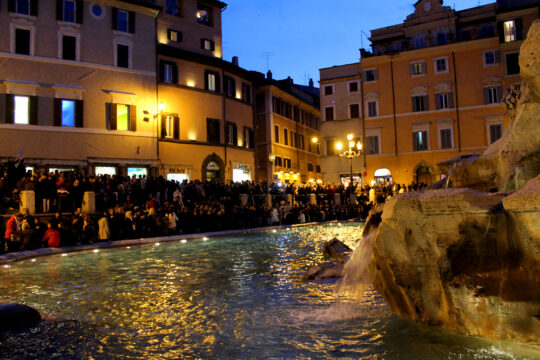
(354, 150)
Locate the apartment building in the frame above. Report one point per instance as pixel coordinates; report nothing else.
(431, 88)
(76, 83)
(287, 131)
(206, 103)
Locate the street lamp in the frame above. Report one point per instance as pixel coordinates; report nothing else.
(354, 150)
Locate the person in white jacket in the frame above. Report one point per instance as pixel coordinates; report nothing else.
(104, 233)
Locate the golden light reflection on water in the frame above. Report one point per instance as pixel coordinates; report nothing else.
(230, 297)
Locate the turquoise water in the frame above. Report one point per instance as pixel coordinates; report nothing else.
(225, 297)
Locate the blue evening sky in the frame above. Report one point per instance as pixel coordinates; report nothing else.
(298, 37)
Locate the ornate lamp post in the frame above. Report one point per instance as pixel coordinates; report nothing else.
(354, 150)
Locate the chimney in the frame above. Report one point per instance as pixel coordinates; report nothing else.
(269, 75)
(235, 60)
(289, 80)
(310, 82)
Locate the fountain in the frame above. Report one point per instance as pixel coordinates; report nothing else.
(465, 259)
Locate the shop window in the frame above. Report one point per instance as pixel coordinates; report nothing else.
(137, 172)
(105, 170)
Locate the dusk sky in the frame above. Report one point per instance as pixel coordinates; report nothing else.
(298, 37)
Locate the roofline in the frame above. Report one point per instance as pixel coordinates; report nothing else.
(143, 4)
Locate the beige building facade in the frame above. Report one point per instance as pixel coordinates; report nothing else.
(77, 84)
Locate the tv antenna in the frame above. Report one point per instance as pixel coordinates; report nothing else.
(267, 55)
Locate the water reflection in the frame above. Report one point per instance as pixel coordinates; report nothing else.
(229, 297)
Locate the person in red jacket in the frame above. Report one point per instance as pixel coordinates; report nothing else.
(52, 236)
(12, 233)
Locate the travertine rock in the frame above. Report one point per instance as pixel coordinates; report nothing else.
(336, 250)
(456, 258)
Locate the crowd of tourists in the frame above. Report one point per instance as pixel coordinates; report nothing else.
(135, 207)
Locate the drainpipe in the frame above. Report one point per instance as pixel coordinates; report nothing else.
(224, 111)
(457, 102)
(157, 99)
(394, 106)
(362, 118)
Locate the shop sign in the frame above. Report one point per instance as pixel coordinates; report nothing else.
(241, 167)
(178, 171)
(213, 166)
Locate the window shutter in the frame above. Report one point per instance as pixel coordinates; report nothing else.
(33, 110)
(411, 68)
(60, 10)
(218, 83)
(376, 74)
(426, 103)
(133, 118)
(131, 19)
(202, 43)
(437, 101)
(10, 108)
(80, 11)
(500, 30)
(79, 112)
(212, 46)
(174, 73)
(176, 128)
(499, 94)
(497, 54)
(519, 28)
(112, 116)
(161, 71)
(415, 141)
(450, 100)
(235, 136)
(227, 131)
(206, 80)
(57, 121)
(34, 7)
(163, 126)
(414, 109)
(115, 18)
(486, 95)
(11, 5)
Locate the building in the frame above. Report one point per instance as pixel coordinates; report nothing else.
(431, 88)
(206, 104)
(77, 83)
(287, 131)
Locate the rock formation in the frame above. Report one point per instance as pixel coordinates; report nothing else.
(466, 259)
(17, 316)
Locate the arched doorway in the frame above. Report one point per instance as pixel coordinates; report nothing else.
(424, 174)
(213, 168)
(383, 176)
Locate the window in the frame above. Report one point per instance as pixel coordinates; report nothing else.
(354, 110)
(510, 31)
(285, 137)
(123, 21)
(329, 113)
(442, 38)
(173, 7)
(204, 14)
(212, 131)
(441, 65)
(212, 82)
(170, 127)
(248, 138)
(443, 101)
(68, 11)
(309, 167)
(230, 86)
(68, 112)
(287, 163)
(512, 63)
(69, 47)
(372, 143)
(353, 86)
(495, 132)
(491, 57)
(22, 41)
(371, 75)
(318, 168)
(123, 117)
(276, 134)
(278, 161)
(246, 93)
(420, 103)
(328, 90)
(420, 140)
(419, 41)
(231, 137)
(122, 55)
(446, 141)
(207, 44)
(492, 95)
(331, 147)
(168, 72)
(22, 6)
(418, 68)
(21, 109)
(301, 142)
(174, 36)
(372, 108)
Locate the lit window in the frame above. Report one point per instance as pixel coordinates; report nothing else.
(169, 127)
(418, 68)
(68, 113)
(204, 14)
(173, 7)
(22, 110)
(167, 73)
(69, 11)
(211, 81)
(122, 117)
(105, 170)
(510, 33)
(174, 35)
(123, 21)
(420, 140)
(207, 44)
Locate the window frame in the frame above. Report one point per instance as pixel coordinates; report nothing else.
(375, 75)
(496, 121)
(13, 32)
(333, 113)
(129, 45)
(216, 123)
(328, 86)
(170, 33)
(349, 86)
(77, 36)
(211, 44)
(217, 81)
(351, 112)
(446, 125)
(209, 21)
(425, 103)
(421, 131)
(446, 67)
(413, 68)
(492, 94)
(514, 35)
(367, 108)
(506, 63)
(377, 136)
(178, 7)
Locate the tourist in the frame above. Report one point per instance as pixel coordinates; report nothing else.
(104, 233)
(52, 236)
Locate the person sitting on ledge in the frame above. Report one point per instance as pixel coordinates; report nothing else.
(52, 236)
